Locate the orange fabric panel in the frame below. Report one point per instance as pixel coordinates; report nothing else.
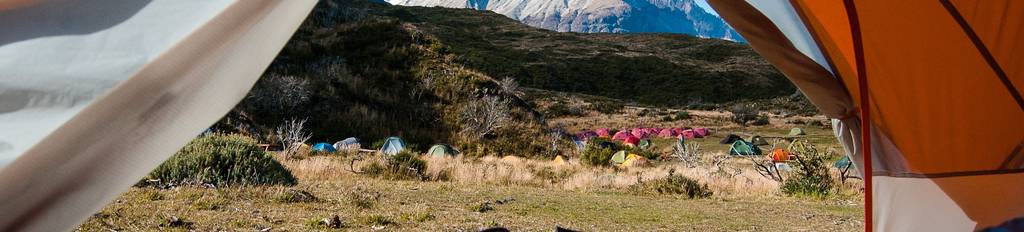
(1000, 25)
(936, 97)
(827, 19)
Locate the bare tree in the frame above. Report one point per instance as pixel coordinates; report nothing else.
(292, 133)
(509, 86)
(764, 166)
(483, 116)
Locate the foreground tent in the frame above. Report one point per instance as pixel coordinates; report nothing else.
(323, 147)
(123, 84)
(442, 150)
(392, 146)
(913, 86)
(348, 144)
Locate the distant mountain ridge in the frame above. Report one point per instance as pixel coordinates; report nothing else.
(595, 16)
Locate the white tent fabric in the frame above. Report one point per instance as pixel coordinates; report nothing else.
(94, 94)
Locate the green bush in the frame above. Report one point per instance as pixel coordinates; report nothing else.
(221, 159)
(810, 175)
(650, 155)
(673, 185)
(682, 115)
(593, 154)
(760, 121)
(667, 118)
(405, 165)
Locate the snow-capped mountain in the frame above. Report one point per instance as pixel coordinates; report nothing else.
(616, 16)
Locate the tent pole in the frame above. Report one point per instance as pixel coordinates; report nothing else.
(865, 115)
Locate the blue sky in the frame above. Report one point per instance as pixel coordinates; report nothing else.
(704, 4)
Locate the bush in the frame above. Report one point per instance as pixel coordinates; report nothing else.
(811, 175)
(673, 185)
(294, 196)
(593, 154)
(560, 109)
(742, 114)
(405, 165)
(682, 115)
(608, 107)
(221, 159)
(667, 118)
(650, 155)
(760, 121)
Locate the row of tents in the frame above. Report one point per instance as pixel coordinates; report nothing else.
(644, 133)
(391, 146)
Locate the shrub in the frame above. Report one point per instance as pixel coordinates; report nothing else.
(560, 109)
(760, 121)
(645, 153)
(742, 114)
(667, 118)
(593, 154)
(405, 165)
(294, 196)
(222, 159)
(673, 185)
(682, 115)
(362, 198)
(379, 220)
(811, 175)
(608, 107)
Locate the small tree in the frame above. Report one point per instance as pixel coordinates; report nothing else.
(811, 176)
(292, 133)
(483, 116)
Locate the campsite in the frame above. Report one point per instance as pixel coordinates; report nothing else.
(393, 118)
(457, 192)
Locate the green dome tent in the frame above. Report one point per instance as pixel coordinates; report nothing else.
(796, 132)
(744, 148)
(442, 150)
(645, 144)
(619, 157)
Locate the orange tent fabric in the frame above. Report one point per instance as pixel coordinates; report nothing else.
(943, 79)
(779, 155)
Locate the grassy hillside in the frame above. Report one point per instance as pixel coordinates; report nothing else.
(656, 69)
(351, 73)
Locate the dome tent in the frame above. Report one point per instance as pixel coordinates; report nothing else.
(741, 147)
(323, 147)
(348, 144)
(442, 150)
(392, 146)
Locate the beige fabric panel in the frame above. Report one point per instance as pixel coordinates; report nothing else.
(127, 132)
